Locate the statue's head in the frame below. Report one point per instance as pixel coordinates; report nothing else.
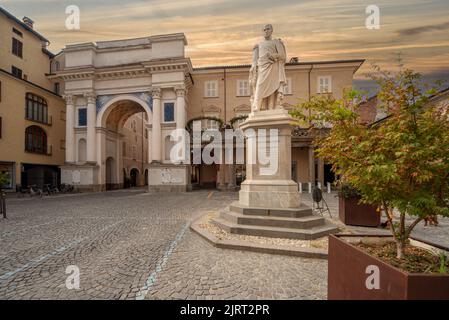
(268, 31)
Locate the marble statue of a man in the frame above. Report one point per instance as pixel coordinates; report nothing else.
(267, 74)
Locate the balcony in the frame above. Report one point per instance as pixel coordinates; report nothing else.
(46, 151)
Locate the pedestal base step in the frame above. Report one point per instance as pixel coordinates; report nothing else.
(304, 222)
(275, 232)
(302, 211)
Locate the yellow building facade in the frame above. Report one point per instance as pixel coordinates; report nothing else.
(32, 113)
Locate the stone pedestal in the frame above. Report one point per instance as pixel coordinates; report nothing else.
(265, 188)
(169, 178)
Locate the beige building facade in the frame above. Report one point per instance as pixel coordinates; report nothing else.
(223, 92)
(32, 113)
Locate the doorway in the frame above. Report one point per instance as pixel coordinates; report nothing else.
(110, 178)
(134, 176)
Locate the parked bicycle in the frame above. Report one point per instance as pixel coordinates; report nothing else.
(35, 191)
(50, 190)
(67, 188)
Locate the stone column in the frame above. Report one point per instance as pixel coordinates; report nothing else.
(156, 154)
(180, 108)
(70, 130)
(321, 172)
(232, 177)
(312, 165)
(91, 131)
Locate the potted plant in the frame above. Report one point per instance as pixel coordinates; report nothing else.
(354, 213)
(400, 164)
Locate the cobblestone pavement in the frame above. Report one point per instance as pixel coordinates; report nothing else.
(438, 235)
(133, 245)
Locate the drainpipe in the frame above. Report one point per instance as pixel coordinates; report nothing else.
(309, 80)
(224, 78)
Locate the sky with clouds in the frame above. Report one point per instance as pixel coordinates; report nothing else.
(224, 31)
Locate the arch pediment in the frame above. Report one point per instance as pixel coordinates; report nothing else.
(211, 109)
(242, 108)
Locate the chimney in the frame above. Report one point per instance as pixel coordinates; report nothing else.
(28, 22)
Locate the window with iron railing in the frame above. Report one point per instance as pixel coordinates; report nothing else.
(36, 140)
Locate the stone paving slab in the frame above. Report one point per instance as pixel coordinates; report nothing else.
(133, 245)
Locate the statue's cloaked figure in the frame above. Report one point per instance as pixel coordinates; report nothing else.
(267, 74)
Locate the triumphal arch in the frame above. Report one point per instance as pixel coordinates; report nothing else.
(105, 83)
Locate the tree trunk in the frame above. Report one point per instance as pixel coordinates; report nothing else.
(400, 245)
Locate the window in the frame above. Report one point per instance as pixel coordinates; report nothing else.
(169, 112)
(82, 117)
(16, 72)
(242, 88)
(211, 89)
(36, 108)
(288, 86)
(57, 87)
(324, 84)
(20, 34)
(35, 140)
(17, 47)
(211, 124)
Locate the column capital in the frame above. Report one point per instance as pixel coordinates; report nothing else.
(156, 93)
(68, 98)
(180, 91)
(91, 97)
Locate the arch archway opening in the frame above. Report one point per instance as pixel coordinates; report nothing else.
(125, 138)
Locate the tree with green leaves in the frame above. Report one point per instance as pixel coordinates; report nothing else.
(400, 163)
(3, 180)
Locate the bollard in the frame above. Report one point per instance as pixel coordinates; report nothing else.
(300, 187)
(319, 185)
(3, 204)
(328, 187)
(310, 187)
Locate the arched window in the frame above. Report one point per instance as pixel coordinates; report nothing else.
(35, 140)
(36, 108)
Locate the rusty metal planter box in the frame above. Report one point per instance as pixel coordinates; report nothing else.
(347, 276)
(354, 214)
